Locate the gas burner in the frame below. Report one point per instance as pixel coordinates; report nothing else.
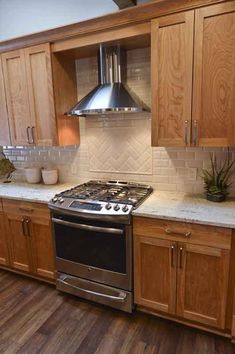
(99, 197)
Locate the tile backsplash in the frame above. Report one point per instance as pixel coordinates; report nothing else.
(119, 146)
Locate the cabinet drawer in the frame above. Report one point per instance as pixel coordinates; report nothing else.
(25, 208)
(182, 231)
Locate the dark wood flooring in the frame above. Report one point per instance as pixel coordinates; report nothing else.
(35, 318)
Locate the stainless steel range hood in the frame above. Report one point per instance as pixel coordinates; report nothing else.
(110, 96)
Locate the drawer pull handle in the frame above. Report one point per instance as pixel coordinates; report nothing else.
(170, 232)
(27, 210)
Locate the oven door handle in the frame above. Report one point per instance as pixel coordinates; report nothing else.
(121, 298)
(106, 230)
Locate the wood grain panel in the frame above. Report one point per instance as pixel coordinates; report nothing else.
(18, 242)
(130, 32)
(4, 257)
(134, 15)
(214, 75)
(17, 96)
(26, 208)
(200, 234)
(41, 243)
(41, 97)
(65, 91)
(4, 123)
(155, 273)
(202, 284)
(172, 54)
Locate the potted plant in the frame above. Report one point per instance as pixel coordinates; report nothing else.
(6, 168)
(217, 179)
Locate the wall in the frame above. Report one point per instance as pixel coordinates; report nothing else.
(118, 146)
(20, 17)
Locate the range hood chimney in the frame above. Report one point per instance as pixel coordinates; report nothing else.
(110, 96)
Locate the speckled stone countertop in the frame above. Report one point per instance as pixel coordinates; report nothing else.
(192, 208)
(39, 193)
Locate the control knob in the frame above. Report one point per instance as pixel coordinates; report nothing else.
(125, 208)
(116, 207)
(108, 206)
(54, 200)
(61, 200)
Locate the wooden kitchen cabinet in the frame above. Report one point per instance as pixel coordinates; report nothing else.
(31, 97)
(29, 236)
(29, 92)
(171, 75)
(20, 257)
(41, 246)
(214, 76)
(4, 256)
(202, 276)
(193, 75)
(4, 124)
(152, 254)
(176, 274)
(15, 81)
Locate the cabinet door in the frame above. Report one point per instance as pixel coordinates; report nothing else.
(4, 124)
(42, 247)
(155, 273)
(214, 76)
(41, 96)
(19, 243)
(202, 284)
(17, 96)
(4, 260)
(171, 72)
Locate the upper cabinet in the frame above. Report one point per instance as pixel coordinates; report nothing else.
(30, 99)
(171, 73)
(4, 125)
(214, 76)
(193, 76)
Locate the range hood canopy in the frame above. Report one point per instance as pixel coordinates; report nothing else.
(110, 96)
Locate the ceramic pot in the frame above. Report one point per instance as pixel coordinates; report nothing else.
(215, 197)
(33, 175)
(50, 176)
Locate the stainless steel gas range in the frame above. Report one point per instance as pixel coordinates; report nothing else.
(92, 229)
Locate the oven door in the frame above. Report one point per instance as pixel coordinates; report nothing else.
(94, 250)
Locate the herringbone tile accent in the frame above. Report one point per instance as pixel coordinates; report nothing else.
(120, 150)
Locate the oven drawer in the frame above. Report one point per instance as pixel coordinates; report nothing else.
(96, 292)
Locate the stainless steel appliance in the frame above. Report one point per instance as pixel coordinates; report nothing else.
(110, 96)
(92, 230)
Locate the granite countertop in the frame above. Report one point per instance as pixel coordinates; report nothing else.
(192, 208)
(39, 193)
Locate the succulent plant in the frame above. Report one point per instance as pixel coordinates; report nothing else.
(217, 177)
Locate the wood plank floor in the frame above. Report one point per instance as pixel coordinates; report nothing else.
(35, 318)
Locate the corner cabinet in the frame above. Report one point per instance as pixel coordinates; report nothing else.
(182, 270)
(28, 238)
(30, 98)
(193, 75)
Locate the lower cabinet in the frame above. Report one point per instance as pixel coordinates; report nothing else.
(29, 238)
(176, 274)
(4, 259)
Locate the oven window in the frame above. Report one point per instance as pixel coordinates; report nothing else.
(92, 248)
